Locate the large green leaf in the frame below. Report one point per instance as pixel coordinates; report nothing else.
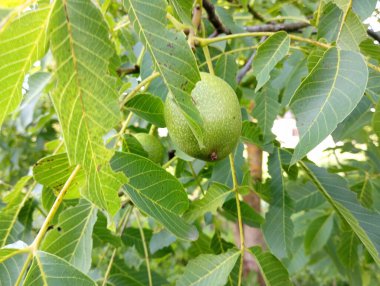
(248, 214)
(358, 118)
(327, 96)
(71, 238)
(352, 33)
(265, 111)
(148, 107)
(209, 269)
(269, 53)
(274, 273)
(364, 8)
(278, 227)
(85, 97)
(318, 233)
(155, 192)
(15, 200)
(361, 220)
(48, 269)
(23, 42)
(172, 55)
(53, 172)
(330, 22)
(215, 197)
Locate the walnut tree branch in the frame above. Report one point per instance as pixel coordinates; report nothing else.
(214, 19)
(288, 27)
(374, 35)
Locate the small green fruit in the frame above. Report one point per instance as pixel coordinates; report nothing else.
(219, 108)
(152, 146)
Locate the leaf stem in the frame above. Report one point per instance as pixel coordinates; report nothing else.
(146, 253)
(195, 177)
(122, 224)
(37, 241)
(208, 59)
(207, 41)
(168, 163)
(240, 220)
(139, 86)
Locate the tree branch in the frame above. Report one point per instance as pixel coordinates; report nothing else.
(214, 19)
(288, 27)
(373, 35)
(255, 14)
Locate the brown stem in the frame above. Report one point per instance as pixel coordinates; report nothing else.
(214, 19)
(374, 35)
(288, 27)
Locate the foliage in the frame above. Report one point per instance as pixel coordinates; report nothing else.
(81, 202)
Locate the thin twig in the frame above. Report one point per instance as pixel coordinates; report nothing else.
(374, 35)
(256, 14)
(288, 27)
(122, 71)
(214, 19)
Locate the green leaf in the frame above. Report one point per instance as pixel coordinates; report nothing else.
(215, 196)
(266, 109)
(365, 193)
(155, 192)
(278, 227)
(132, 237)
(183, 9)
(85, 97)
(218, 244)
(364, 8)
(171, 54)
(370, 49)
(352, 34)
(348, 248)
(304, 196)
(48, 269)
(53, 172)
(101, 234)
(274, 273)
(330, 22)
(148, 107)
(71, 238)
(226, 69)
(15, 200)
(269, 53)
(318, 233)
(327, 96)
(23, 42)
(209, 269)
(11, 3)
(361, 220)
(376, 120)
(248, 214)
(357, 119)
(11, 261)
(132, 145)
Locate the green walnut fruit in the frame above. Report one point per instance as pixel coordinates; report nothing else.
(152, 146)
(219, 108)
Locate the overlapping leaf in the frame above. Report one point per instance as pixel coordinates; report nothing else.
(171, 54)
(48, 269)
(265, 111)
(148, 107)
(23, 42)
(209, 269)
(11, 262)
(53, 172)
(318, 233)
(183, 9)
(361, 220)
(226, 69)
(85, 97)
(269, 53)
(214, 199)
(278, 227)
(71, 238)
(155, 192)
(327, 96)
(15, 200)
(273, 271)
(352, 33)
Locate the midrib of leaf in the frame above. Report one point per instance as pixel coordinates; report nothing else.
(28, 60)
(328, 95)
(273, 55)
(334, 205)
(43, 274)
(362, 191)
(214, 269)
